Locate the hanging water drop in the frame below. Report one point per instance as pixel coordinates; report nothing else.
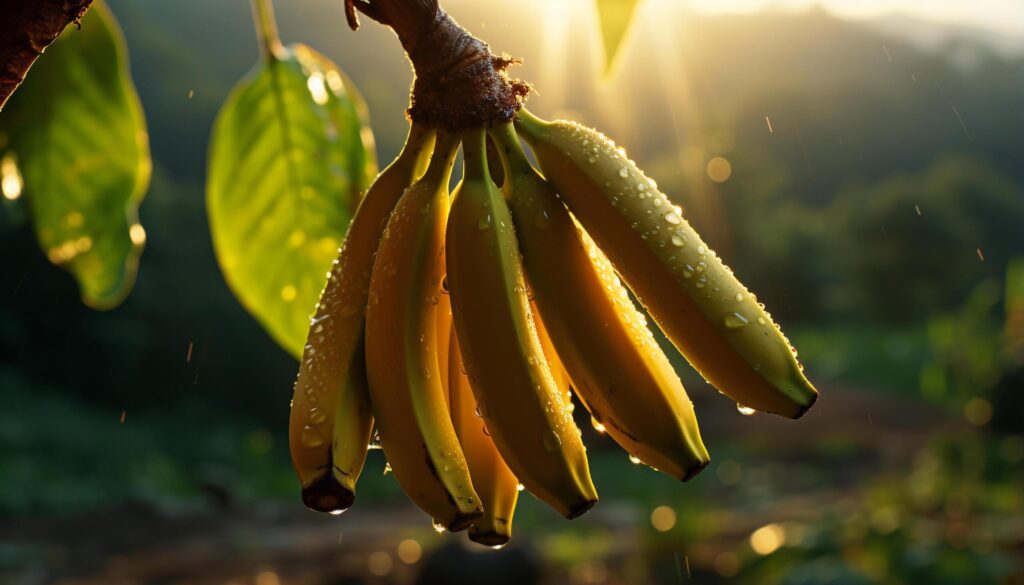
(735, 321)
(552, 442)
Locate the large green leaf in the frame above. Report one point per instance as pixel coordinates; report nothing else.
(290, 156)
(614, 17)
(73, 142)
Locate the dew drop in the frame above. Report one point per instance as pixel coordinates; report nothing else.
(744, 410)
(552, 442)
(678, 241)
(485, 222)
(761, 321)
(739, 297)
(623, 172)
(317, 416)
(735, 321)
(310, 437)
(674, 219)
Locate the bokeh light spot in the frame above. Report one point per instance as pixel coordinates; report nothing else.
(409, 551)
(663, 518)
(767, 539)
(978, 411)
(379, 563)
(719, 169)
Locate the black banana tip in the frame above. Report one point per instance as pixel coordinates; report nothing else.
(806, 407)
(580, 509)
(464, 520)
(327, 495)
(488, 538)
(694, 470)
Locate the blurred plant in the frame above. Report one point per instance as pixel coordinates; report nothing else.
(976, 351)
(81, 157)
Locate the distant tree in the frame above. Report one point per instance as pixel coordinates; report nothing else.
(916, 244)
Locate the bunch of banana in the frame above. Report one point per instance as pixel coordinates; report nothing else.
(457, 325)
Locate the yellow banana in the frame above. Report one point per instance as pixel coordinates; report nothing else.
(703, 309)
(550, 354)
(444, 334)
(406, 390)
(528, 418)
(493, 480)
(330, 421)
(617, 368)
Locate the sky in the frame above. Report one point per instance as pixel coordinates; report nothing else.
(1004, 16)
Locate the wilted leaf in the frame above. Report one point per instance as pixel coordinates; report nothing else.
(290, 155)
(73, 142)
(614, 17)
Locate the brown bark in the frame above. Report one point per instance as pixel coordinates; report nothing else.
(28, 27)
(459, 83)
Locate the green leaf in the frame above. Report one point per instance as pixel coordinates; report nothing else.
(614, 17)
(73, 142)
(290, 155)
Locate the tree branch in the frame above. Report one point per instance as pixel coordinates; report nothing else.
(28, 28)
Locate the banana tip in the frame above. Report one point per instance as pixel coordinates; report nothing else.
(464, 520)
(327, 495)
(813, 398)
(695, 469)
(488, 538)
(580, 509)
